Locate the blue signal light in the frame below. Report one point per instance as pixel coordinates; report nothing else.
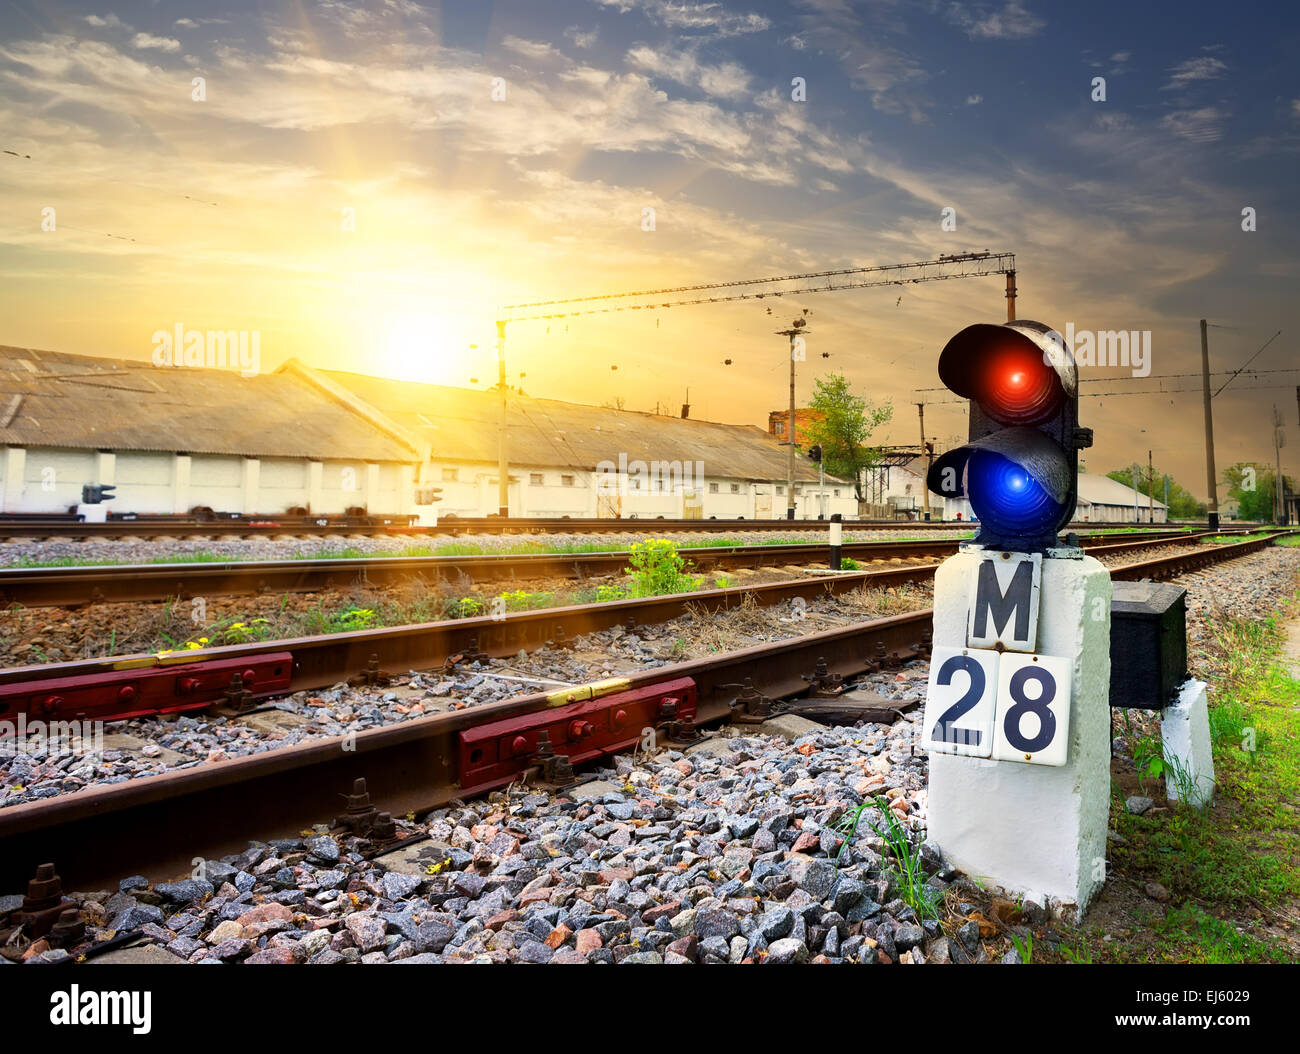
(1007, 499)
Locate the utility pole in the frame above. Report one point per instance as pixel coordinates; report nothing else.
(795, 335)
(503, 467)
(1151, 491)
(1011, 300)
(925, 490)
(1279, 441)
(1212, 477)
(1137, 482)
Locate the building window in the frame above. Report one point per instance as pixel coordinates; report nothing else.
(566, 481)
(735, 488)
(780, 429)
(536, 479)
(449, 475)
(780, 490)
(837, 492)
(713, 488)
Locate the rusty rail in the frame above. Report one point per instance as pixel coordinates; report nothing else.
(119, 583)
(25, 526)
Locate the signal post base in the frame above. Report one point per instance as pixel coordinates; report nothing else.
(1189, 755)
(1035, 830)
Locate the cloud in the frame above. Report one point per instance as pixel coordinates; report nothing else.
(402, 90)
(1200, 126)
(891, 77)
(982, 22)
(728, 80)
(1200, 69)
(708, 17)
(148, 40)
(532, 49)
(582, 38)
(974, 100)
(107, 20)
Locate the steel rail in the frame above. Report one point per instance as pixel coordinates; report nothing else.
(160, 824)
(23, 526)
(330, 658)
(117, 583)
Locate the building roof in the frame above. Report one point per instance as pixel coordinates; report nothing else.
(1102, 490)
(460, 424)
(52, 399)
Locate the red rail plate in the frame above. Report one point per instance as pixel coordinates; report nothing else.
(493, 754)
(121, 694)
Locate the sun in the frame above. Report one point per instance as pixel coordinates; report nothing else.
(427, 347)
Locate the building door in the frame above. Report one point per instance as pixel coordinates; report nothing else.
(693, 504)
(762, 503)
(608, 506)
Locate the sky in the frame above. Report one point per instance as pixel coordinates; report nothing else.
(364, 185)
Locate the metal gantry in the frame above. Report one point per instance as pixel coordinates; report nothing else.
(955, 265)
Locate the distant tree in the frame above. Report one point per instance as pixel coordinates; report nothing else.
(1254, 486)
(1183, 505)
(843, 426)
(617, 403)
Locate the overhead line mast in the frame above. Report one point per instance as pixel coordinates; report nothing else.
(956, 265)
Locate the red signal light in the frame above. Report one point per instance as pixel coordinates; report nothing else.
(1015, 386)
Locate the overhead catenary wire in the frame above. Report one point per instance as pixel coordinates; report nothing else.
(1249, 361)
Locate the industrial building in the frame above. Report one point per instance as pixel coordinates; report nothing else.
(569, 459)
(174, 439)
(171, 440)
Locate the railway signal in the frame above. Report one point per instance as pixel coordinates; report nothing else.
(1019, 466)
(1017, 708)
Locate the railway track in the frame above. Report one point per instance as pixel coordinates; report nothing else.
(161, 823)
(23, 526)
(115, 583)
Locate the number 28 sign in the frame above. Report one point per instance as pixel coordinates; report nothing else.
(1007, 706)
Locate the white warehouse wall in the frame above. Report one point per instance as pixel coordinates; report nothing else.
(49, 480)
(473, 493)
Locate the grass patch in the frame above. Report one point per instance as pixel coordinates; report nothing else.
(1232, 869)
(1202, 938)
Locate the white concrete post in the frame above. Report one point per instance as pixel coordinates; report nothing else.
(315, 485)
(181, 484)
(15, 475)
(250, 484)
(1034, 829)
(1189, 753)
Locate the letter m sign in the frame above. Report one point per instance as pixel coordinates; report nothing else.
(1004, 602)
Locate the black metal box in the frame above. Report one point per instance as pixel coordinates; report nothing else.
(1148, 644)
